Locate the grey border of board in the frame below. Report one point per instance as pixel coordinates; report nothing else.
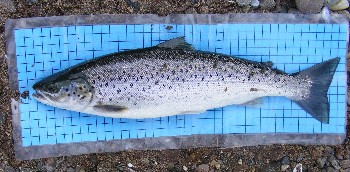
(177, 142)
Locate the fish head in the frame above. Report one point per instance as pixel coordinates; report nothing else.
(67, 92)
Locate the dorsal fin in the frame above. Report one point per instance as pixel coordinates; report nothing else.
(176, 43)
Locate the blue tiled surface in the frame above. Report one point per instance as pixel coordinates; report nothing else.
(292, 47)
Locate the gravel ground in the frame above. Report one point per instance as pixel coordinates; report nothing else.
(257, 158)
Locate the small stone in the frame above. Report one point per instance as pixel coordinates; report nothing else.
(267, 4)
(309, 6)
(255, 3)
(321, 162)
(335, 164)
(339, 151)
(328, 151)
(70, 169)
(145, 161)
(202, 168)
(285, 160)
(284, 167)
(345, 164)
(204, 9)
(184, 168)
(243, 2)
(130, 165)
(240, 162)
(300, 158)
(337, 5)
(298, 168)
(331, 169)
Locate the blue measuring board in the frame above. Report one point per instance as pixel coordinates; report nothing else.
(41, 52)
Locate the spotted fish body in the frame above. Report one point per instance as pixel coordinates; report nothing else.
(173, 78)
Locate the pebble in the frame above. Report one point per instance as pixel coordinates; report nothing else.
(335, 163)
(243, 2)
(331, 169)
(300, 158)
(130, 165)
(321, 162)
(285, 160)
(337, 5)
(255, 3)
(240, 162)
(298, 168)
(309, 6)
(339, 151)
(284, 167)
(202, 168)
(184, 168)
(267, 4)
(345, 164)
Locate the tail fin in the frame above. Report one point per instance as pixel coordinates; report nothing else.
(317, 103)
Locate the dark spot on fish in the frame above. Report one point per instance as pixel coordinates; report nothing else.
(253, 89)
(157, 82)
(203, 78)
(131, 85)
(215, 65)
(82, 97)
(118, 91)
(81, 88)
(93, 81)
(168, 77)
(143, 89)
(225, 89)
(106, 84)
(110, 99)
(124, 72)
(170, 87)
(183, 80)
(84, 86)
(68, 94)
(98, 93)
(113, 86)
(165, 66)
(98, 77)
(73, 92)
(67, 89)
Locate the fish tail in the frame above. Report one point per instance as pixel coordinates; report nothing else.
(321, 76)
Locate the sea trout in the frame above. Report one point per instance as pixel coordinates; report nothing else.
(173, 78)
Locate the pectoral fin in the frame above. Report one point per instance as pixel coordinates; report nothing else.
(256, 103)
(110, 108)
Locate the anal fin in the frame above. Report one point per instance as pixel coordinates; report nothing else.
(255, 103)
(110, 108)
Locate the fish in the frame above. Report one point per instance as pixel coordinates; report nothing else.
(174, 78)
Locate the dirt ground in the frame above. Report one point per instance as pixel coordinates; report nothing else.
(257, 158)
